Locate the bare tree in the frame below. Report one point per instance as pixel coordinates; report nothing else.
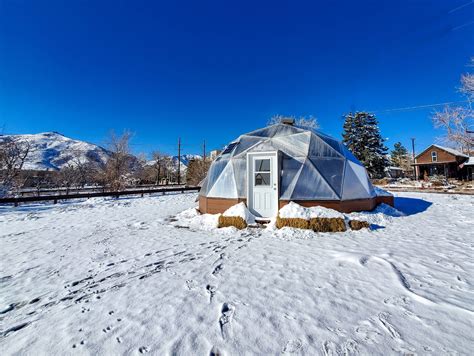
(86, 172)
(13, 154)
(458, 121)
(159, 167)
(467, 83)
(67, 177)
(197, 171)
(308, 123)
(118, 166)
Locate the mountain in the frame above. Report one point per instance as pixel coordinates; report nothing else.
(184, 162)
(52, 151)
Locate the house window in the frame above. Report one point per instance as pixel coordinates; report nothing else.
(434, 156)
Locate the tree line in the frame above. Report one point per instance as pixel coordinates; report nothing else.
(121, 170)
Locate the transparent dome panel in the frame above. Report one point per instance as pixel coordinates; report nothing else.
(310, 185)
(332, 169)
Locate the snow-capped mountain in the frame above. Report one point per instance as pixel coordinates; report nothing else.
(52, 151)
(184, 162)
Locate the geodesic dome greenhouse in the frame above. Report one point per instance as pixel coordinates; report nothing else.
(282, 163)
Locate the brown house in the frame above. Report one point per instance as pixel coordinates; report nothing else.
(439, 160)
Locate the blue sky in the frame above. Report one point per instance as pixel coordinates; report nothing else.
(215, 69)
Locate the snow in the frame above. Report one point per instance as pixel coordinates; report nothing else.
(381, 192)
(293, 210)
(122, 276)
(240, 210)
(191, 218)
(52, 151)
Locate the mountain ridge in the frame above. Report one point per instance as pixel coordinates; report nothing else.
(52, 151)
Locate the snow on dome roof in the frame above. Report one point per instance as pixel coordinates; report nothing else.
(314, 166)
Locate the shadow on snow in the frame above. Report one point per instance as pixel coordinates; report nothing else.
(411, 206)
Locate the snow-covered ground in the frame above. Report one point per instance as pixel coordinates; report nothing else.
(112, 277)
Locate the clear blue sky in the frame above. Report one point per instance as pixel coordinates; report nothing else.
(213, 70)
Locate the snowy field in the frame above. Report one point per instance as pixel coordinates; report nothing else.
(113, 277)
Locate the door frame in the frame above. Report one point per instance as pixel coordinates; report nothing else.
(250, 181)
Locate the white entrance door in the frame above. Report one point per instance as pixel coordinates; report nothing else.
(263, 184)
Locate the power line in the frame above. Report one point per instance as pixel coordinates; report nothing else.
(418, 107)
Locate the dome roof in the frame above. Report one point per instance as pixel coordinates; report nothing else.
(313, 166)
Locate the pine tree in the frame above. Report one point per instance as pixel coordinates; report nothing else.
(362, 137)
(399, 155)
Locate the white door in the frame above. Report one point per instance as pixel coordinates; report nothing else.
(263, 184)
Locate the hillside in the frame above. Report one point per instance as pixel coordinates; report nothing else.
(52, 151)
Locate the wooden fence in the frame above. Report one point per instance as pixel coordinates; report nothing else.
(55, 198)
(67, 191)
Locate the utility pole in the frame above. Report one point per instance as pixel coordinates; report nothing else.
(179, 160)
(413, 156)
(204, 151)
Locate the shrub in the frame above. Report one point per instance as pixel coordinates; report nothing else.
(327, 225)
(292, 222)
(235, 221)
(357, 224)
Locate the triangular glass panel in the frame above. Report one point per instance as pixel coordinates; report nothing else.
(225, 186)
(332, 169)
(311, 185)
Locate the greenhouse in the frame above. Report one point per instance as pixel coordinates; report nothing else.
(272, 166)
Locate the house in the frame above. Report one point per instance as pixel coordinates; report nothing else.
(468, 166)
(213, 154)
(272, 166)
(394, 172)
(439, 160)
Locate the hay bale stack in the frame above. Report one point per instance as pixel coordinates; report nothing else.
(358, 224)
(235, 221)
(292, 222)
(327, 225)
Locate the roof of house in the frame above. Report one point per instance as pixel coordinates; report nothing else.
(469, 162)
(447, 149)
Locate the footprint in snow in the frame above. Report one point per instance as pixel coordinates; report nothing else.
(217, 269)
(393, 332)
(330, 348)
(143, 349)
(212, 291)
(215, 351)
(225, 320)
(368, 333)
(292, 346)
(191, 284)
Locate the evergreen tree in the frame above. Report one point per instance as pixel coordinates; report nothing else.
(362, 137)
(399, 155)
